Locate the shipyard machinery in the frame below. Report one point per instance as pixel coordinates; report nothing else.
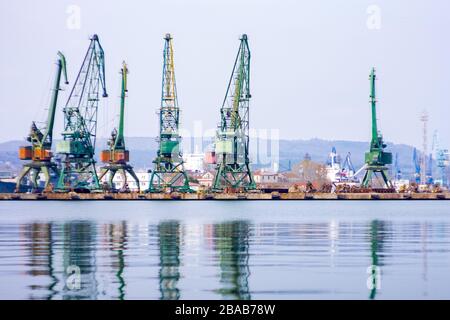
(41, 139)
(232, 138)
(168, 173)
(429, 171)
(117, 156)
(442, 160)
(80, 124)
(416, 163)
(376, 159)
(397, 173)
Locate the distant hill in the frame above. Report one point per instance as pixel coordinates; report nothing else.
(143, 150)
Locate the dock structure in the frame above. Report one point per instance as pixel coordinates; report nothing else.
(70, 196)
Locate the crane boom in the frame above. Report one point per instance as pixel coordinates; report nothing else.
(373, 103)
(54, 100)
(120, 141)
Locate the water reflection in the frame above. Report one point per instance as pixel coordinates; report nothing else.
(231, 242)
(169, 253)
(117, 234)
(377, 232)
(79, 246)
(238, 259)
(40, 250)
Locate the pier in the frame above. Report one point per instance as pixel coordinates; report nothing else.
(70, 196)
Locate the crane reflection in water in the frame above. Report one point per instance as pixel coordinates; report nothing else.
(231, 242)
(180, 260)
(376, 235)
(39, 245)
(169, 249)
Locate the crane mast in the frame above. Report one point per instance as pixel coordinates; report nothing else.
(376, 159)
(232, 138)
(80, 124)
(168, 173)
(116, 157)
(41, 139)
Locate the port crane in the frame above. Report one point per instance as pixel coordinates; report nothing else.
(117, 156)
(442, 159)
(41, 139)
(397, 172)
(168, 173)
(376, 159)
(80, 124)
(232, 137)
(429, 171)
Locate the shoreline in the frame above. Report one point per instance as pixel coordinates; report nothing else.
(72, 196)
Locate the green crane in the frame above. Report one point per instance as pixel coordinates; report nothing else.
(117, 157)
(41, 139)
(376, 160)
(80, 124)
(232, 138)
(168, 173)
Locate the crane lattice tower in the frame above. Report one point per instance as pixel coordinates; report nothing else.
(423, 159)
(169, 173)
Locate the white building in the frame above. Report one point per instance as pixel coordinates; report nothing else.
(194, 162)
(143, 176)
(262, 176)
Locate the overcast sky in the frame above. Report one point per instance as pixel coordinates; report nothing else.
(309, 71)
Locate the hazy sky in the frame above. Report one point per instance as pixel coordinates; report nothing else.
(310, 62)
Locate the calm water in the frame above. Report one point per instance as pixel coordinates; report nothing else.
(225, 250)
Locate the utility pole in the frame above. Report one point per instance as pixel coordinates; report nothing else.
(423, 159)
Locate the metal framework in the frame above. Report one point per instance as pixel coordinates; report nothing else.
(80, 124)
(41, 139)
(117, 157)
(168, 173)
(232, 138)
(442, 160)
(376, 158)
